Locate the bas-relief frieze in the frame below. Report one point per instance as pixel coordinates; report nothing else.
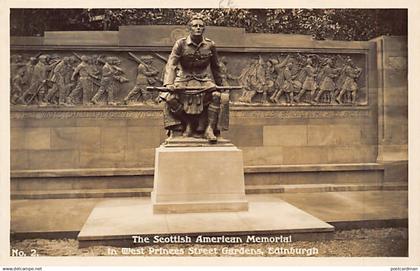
(120, 79)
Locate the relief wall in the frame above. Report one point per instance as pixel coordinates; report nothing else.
(80, 103)
(120, 78)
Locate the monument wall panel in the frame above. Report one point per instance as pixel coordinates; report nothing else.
(271, 130)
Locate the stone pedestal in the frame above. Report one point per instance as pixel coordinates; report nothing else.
(198, 179)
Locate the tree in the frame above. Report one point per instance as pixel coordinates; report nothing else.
(339, 24)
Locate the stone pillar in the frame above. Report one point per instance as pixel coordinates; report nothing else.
(392, 106)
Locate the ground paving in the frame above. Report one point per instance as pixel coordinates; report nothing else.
(66, 215)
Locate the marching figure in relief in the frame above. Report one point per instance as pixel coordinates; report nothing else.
(254, 81)
(111, 76)
(290, 85)
(39, 81)
(307, 76)
(326, 79)
(279, 69)
(146, 76)
(226, 76)
(17, 86)
(60, 82)
(347, 81)
(87, 76)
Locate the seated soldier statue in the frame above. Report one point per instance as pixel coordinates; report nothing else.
(192, 74)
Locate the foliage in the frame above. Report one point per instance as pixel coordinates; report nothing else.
(340, 24)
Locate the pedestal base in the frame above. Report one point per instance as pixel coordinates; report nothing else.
(116, 221)
(198, 179)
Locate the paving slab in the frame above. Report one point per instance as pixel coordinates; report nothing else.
(40, 217)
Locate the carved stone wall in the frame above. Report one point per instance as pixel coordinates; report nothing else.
(44, 78)
(275, 119)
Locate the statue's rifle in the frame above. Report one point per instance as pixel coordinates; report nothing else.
(192, 90)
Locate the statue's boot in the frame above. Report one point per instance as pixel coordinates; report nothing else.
(188, 130)
(209, 134)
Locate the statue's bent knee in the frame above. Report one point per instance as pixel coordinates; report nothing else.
(174, 104)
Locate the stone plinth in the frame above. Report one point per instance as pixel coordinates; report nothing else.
(198, 179)
(115, 221)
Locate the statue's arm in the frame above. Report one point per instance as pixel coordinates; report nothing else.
(215, 66)
(173, 60)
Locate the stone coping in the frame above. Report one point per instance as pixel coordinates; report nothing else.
(150, 170)
(164, 36)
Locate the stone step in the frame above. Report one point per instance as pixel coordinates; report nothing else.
(250, 189)
(86, 193)
(312, 188)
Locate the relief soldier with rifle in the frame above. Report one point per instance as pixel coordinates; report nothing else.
(146, 75)
(40, 81)
(87, 76)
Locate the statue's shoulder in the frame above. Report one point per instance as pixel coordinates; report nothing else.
(181, 40)
(208, 40)
(211, 42)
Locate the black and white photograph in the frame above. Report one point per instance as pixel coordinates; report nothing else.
(224, 132)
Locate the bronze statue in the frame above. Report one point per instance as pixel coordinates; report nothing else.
(193, 101)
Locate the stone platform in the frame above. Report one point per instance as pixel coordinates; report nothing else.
(196, 142)
(198, 179)
(116, 221)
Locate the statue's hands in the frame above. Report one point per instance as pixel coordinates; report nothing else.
(170, 87)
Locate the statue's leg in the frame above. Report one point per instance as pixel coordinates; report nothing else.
(213, 113)
(173, 115)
